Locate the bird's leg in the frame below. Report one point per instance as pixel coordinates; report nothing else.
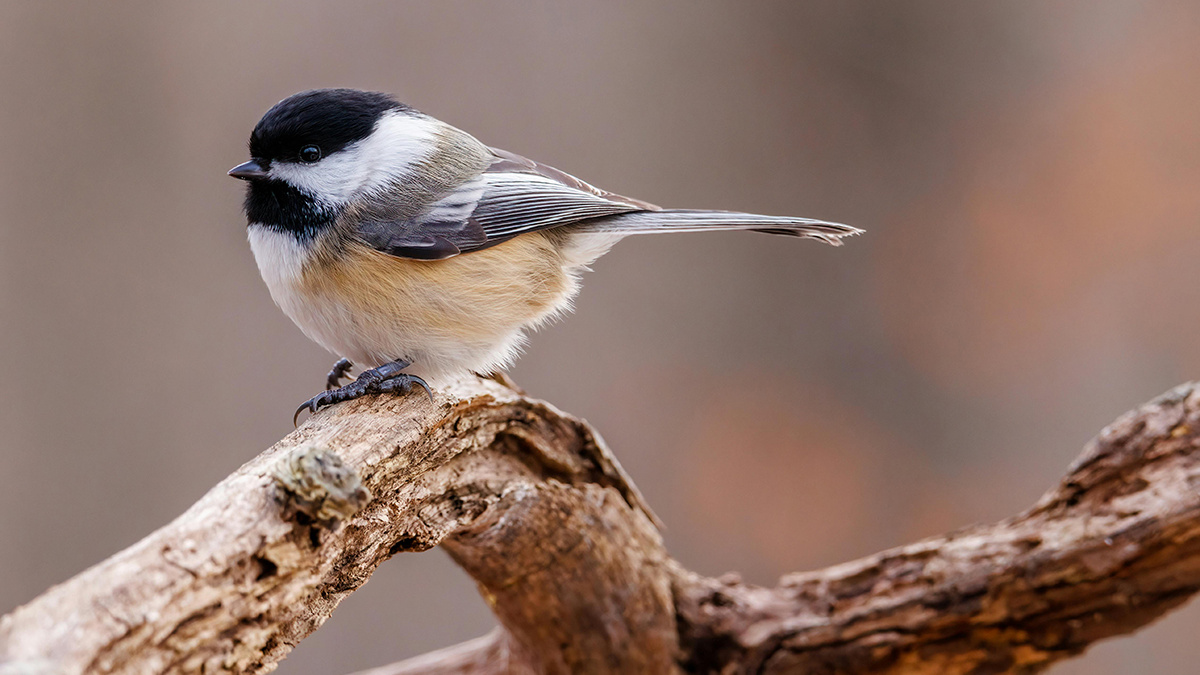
(340, 370)
(385, 378)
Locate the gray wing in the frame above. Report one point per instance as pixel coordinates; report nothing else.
(512, 196)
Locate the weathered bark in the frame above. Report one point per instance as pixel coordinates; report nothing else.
(533, 506)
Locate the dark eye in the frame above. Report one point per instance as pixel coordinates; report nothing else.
(310, 154)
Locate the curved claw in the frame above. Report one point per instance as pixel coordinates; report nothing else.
(424, 385)
(310, 405)
(314, 404)
(403, 383)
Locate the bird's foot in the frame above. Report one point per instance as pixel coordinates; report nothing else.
(339, 372)
(385, 378)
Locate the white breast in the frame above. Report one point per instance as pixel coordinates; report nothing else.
(279, 255)
(281, 259)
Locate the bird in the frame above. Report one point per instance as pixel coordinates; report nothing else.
(408, 247)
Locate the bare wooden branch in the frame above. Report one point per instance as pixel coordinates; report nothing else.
(241, 577)
(1113, 547)
(532, 505)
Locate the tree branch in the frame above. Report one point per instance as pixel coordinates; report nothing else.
(1113, 547)
(532, 505)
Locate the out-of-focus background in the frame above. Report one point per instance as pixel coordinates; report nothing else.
(1028, 176)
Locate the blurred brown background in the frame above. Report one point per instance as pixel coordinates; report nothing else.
(1029, 176)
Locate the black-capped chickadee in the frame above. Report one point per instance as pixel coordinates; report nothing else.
(405, 245)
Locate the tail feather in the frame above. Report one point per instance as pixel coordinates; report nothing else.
(654, 222)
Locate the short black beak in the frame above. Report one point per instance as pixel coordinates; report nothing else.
(248, 171)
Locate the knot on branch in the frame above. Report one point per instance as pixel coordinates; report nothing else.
(317, 483)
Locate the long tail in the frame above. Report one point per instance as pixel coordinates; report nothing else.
(679, 220)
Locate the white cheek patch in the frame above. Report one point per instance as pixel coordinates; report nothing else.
(398, 142)
(331, 181)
